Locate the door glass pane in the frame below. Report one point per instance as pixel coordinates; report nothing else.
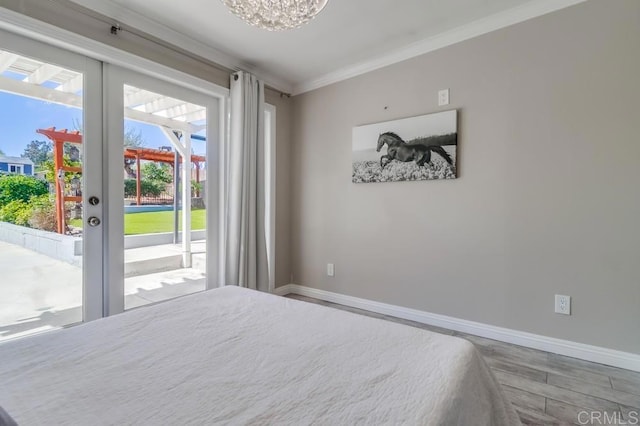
(160, 133)
(41, 223)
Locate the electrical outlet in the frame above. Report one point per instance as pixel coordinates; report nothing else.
(563, 304)
(443, 97)
(330, 269)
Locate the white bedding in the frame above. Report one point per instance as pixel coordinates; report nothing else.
(236, 356)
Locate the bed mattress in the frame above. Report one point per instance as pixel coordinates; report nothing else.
(237, 356)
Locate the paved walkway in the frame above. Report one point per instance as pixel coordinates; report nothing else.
(38, 293)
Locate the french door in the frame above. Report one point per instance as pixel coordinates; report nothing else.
(122, 200)
(160, 245)
(51, 238)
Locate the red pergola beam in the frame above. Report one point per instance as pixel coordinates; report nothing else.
(129, 152)
(158, 155)
(59, 137)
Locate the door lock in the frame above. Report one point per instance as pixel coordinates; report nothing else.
(93, 221)
(94, 201)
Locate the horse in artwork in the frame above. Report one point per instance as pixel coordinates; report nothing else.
(398, 149)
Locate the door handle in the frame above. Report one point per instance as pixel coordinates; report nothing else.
(93, 221)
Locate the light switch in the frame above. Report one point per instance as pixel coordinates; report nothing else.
(443, 97)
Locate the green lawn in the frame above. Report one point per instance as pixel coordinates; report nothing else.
(154, 222)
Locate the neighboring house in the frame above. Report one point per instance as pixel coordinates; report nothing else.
(16, 165)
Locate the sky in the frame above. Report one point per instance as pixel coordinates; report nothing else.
(20, 117)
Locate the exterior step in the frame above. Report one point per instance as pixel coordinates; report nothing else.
(150, 266)
(199, 261)
(149, 260)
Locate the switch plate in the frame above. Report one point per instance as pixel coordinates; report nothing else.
(563, 304)
(330, 269)
(443, 97)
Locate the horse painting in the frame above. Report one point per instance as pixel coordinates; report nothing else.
(429, 150)
(418, 151)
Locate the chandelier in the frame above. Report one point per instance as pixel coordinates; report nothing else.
(276, 15)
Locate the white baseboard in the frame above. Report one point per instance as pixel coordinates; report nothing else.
(583, 351)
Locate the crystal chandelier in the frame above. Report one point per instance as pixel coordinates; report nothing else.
(276, 15)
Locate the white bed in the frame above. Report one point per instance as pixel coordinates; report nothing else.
(236, 356)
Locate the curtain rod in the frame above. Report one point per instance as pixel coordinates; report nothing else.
(116, 27)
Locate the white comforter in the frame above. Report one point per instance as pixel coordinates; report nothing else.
(235, 356)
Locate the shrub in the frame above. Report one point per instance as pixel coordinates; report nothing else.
(20, 187)
(50, 173)
(147, 188)
(43, 213)
(17, 212)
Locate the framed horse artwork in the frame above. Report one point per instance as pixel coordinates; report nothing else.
(415, 148)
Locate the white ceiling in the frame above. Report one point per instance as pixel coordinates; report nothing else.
(347, 38)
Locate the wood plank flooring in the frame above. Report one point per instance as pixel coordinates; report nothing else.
(545, 388)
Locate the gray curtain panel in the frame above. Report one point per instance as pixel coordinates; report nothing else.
(245, 249)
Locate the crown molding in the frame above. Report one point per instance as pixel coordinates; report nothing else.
(473, 29)
(530, 10)
(125, 16)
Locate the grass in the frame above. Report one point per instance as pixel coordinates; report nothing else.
(154, 222)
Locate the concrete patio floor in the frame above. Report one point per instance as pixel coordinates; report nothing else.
(38, 293)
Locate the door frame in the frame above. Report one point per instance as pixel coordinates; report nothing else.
(270, 191)
(115, 79)
(92, 117)
(52, 35)
(20, 33)
(31, 28)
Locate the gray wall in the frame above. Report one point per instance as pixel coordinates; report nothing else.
(72, 17)
(547, 200)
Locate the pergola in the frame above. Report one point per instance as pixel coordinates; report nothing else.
(43, 81)
(158, 156)
(60, 137)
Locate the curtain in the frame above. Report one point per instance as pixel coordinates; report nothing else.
(245, 248)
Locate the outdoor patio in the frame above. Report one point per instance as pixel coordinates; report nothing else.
(40, 293)
(164, 178)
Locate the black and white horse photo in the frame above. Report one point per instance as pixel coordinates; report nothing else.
(427, 151)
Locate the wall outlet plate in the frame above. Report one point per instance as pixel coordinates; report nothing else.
(563, 304)
(330, 269)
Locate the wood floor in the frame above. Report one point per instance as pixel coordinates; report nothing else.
(545, 388)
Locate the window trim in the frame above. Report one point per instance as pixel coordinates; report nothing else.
(270, 190)
(18, 168)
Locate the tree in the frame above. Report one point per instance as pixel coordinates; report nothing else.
(132, 139)
(51, 175)
(2, 152)
(160, 173)
(38, 151)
